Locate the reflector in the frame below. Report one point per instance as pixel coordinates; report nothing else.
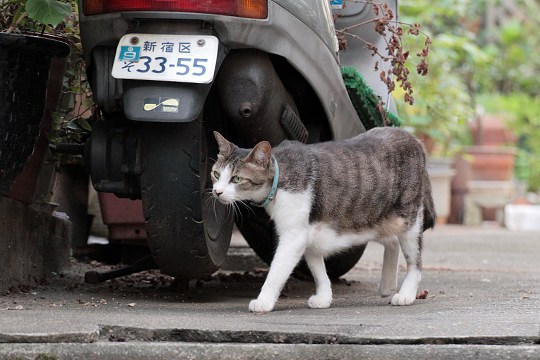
(256, 9)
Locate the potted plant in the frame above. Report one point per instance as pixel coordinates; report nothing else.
(29, 90)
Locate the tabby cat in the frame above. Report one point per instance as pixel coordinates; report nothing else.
(325, 198)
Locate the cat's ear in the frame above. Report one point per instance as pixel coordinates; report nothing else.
(225, 147)
(261, 154)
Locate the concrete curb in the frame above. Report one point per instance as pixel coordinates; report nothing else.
(138, 350)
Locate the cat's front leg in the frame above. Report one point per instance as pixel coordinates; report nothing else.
(289, 252)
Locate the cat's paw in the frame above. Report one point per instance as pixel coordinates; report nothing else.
(403, 299)
(319, 302)
(260, 306)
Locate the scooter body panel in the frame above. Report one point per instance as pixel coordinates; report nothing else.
(284, 33)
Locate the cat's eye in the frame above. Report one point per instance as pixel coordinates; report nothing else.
(216, 174)
(237, 179)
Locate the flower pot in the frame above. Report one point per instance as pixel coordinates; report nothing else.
(491, 130)
(440, 174)
(491, 162)
(124, 218)
(25, 61)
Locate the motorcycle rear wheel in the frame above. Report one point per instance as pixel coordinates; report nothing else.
(188, 233)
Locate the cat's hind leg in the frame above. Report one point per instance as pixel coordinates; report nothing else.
(411, 245)
(323, 295)
(390, 266)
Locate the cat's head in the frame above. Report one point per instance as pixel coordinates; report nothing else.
(241, 174)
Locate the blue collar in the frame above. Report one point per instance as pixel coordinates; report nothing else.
(272, 194)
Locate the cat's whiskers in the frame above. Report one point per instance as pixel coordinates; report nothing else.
(207, 193)
(212, 200)
(246, 205)
(230, 208)
(237, 211)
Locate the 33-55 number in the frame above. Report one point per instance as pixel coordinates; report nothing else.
(185, 65)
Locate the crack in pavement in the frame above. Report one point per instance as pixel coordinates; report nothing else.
(125, 334)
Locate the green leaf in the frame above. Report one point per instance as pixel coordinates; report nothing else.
(84, 124)
(50, 12)
(57, 119)
(512, 32)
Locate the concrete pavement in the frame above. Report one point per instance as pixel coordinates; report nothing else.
(483, 302)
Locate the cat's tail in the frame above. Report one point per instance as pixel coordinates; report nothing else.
(430, 216)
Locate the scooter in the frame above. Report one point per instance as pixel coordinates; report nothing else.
(165, 74)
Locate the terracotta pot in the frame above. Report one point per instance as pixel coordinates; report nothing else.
(491, 130)
(491, 162)
(428, 142)
(124, 218)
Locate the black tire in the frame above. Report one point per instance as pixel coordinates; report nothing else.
(188, 233)
(259, 232)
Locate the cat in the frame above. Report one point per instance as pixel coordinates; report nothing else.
(327, 197)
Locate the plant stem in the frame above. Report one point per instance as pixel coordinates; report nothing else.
(16, 23)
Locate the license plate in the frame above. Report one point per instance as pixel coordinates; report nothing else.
(178, 58)
(336, 4)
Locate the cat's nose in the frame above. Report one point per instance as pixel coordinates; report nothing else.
(218, 192)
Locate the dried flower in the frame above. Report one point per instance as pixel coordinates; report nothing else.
(385, 23)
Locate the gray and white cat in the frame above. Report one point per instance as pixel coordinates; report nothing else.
(327, 197)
